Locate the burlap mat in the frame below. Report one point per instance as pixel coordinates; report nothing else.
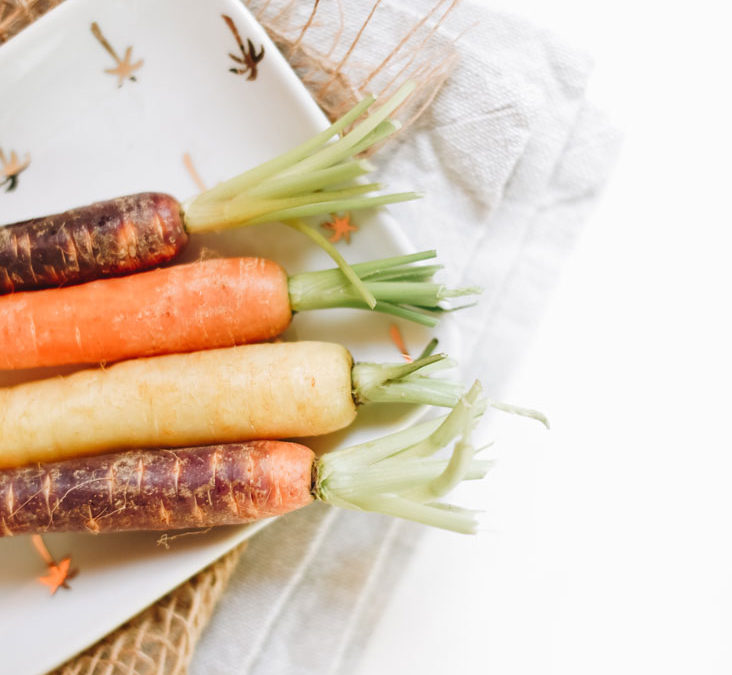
(162, 638)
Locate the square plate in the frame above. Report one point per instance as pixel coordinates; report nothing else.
(89, 134)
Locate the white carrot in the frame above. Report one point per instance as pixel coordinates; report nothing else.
(281, 390)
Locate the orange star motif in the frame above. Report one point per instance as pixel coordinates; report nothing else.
(58, 575)
(341, 228)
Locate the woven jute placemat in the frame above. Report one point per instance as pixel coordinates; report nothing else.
(338, 61)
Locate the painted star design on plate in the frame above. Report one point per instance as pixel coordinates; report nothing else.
(11, 168)
(125, 68)
(58, 575)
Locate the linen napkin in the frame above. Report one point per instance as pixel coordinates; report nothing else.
(512, 158)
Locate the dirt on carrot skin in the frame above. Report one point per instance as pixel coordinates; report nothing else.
(157, 489)
(108, 238)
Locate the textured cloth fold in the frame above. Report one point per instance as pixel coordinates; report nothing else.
(511, 158)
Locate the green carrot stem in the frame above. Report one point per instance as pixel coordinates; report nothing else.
(399, 287)
(422, 390)
(416, 315)
(399, 476)
(316, 178)
(383, 476)
(429, 348)
(468, 408)
(401, 507)
(234, 186)
(332, 251)
(402, 383)
(371, 452)
(333, 206)
(519, 410)
(250, 211)
(344, 147)
(374, 266)
(380, 133)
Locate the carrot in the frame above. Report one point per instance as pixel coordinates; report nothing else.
(158, 489)
(281, 390)
(213, 303)
(136, 232)
(108, 238)
(239, 483)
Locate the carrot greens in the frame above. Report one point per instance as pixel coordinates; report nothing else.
(317, 177)
(398, 474)
(399, 287)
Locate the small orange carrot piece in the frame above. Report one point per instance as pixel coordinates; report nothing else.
(216, 303)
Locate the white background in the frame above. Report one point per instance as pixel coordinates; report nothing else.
(607, 544)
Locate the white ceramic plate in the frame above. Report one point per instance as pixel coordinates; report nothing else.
(88, 136)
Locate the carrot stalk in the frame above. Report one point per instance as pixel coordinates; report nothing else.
(203, 305)
(300, 184)
(241, 482)
(135, 232)
(235, 185)
(388, 476)
(279, 390)
(332, 251)
(404, 383)
(399, 288)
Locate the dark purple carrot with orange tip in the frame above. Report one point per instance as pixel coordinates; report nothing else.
(136, 232)
(243, 482)
(158, 489)
(109, 238)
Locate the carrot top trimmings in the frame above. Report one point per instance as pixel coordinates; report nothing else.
(249, 59)
(398, 476)
(341, 227)
(125, 68)
(315, 178)
(398, 339)
(58, 573)
(399, 288)
(191, 168)
(10, 168)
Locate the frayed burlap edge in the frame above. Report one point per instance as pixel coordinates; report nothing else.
(331, 72)
(161, 639)
(15, 15)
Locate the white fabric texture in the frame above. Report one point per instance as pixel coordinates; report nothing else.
(511, 158)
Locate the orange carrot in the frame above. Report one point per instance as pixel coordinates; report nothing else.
(178, 309)
(204, 305)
